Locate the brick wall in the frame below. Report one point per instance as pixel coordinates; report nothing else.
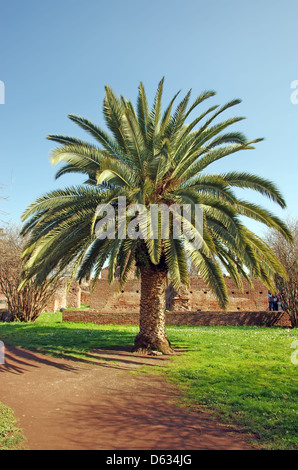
(73, 296)
(58, 300)
(104, 298)
(100, 318)
(64, 298)
(85, 297)
(183, 318)
(200, 297)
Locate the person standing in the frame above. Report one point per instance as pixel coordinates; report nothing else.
(275, 303)
(270, 301)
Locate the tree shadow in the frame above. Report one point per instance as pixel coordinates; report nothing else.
(149, 419)
(32, 345)
(18, 361)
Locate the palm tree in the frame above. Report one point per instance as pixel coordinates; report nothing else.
(153, 157)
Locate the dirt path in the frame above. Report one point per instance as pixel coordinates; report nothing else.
(65, 405)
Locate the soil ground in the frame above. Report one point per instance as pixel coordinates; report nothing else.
(63, 404)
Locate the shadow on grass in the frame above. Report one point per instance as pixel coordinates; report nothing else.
(19, 360)
(109, 346)
(59, 337)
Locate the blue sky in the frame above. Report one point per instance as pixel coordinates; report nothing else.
(56, 57)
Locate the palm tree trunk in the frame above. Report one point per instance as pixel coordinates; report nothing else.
(152, 335)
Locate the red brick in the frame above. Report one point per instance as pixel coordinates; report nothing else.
(183, 318)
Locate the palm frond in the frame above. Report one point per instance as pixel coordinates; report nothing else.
(175, 256)
(261, 185)
(154, 157)
(208, 268)
(143, 110)
(264, 216)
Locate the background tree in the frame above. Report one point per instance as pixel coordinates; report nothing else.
(287, 253)
(29, 302)
(158, 157)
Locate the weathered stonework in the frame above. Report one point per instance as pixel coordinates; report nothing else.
(198, 297)
(265, 319)
(65, 298)
(196, 305)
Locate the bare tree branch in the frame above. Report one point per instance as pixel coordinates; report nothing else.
(28, 303)
(287, 253)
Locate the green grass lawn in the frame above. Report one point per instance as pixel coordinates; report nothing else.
(11, 437)
(243, 374)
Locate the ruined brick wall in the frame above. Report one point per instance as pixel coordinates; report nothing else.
(198, 297)
(201, 297)
(85, 297)
(64, 298)
(194, 306)
(58, 300)
(73, 295)
(93, 316)
(104, 298)
(268, 319)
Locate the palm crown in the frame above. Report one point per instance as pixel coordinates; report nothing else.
(154, 157)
